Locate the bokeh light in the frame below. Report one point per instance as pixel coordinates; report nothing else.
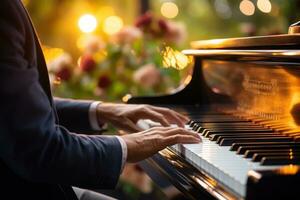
(112, 25)
(264, 6)
(169, 10)
(87, 23)
(52, 53)
(247, 7)
(175, 59)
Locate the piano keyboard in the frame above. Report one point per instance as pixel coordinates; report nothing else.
(232, 146)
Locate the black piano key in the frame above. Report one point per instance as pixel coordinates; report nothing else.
(205, 129)
(229, 124)
(230, 141)
(205, 116)
(200, 129)
(284, 160)
(241, 136)
(219, 137)
(219, 118)
(237, 129)
(225, 124)
(257, 157)
(243, 149)
(207, 133)
(216, 136)
(195, 127)
(190, 122)
(236, 146)
(250, 153)
(212, 120)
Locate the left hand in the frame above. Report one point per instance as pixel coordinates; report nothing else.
(125, 116)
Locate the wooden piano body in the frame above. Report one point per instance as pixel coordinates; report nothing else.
(257, 78)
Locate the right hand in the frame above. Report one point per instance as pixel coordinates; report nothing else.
(144, 144)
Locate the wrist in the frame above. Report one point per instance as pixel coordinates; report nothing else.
(103, 112)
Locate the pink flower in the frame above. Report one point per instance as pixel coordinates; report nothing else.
(64, 74)
(176, 32)
(63, 61)
(93, 44)
(104, 81)
(87, 63)
(144, 20)
(147, 76)
(127, 35)
(61, 67)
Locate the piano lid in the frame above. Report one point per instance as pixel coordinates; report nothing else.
(284, 41)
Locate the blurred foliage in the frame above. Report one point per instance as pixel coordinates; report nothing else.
(56, 20)
(130, 61)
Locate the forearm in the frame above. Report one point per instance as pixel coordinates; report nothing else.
(74, 114)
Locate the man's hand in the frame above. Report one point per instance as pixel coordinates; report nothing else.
(146, 143)
(125, 116)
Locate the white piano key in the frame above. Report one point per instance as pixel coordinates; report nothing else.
(219, 162)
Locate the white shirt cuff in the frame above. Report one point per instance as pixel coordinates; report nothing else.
(93, 116)
(124, 151)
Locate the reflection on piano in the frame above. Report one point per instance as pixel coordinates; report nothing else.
(244, 100)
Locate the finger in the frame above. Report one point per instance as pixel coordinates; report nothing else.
(155, 116)
(181, 139)
(172, 116)
(181, 131)
(161, 128)
(128, 125)
(169, 110)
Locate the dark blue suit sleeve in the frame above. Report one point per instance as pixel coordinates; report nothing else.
(74, 114)
(31, 143)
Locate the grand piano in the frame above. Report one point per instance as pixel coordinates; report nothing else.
(243, 98)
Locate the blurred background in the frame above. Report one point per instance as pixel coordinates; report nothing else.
(107, 49)
(110, 49)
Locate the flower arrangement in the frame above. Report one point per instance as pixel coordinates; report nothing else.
(132, 61)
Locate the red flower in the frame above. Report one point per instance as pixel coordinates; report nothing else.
(87, 63)
(104, 82)
(144, 20)
(163, 25)
(64, 74)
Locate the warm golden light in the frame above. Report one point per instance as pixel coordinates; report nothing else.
(264, 6)
(182, 60)
(187, 80)
(247, 7)
(105, 11)
(52, 53)
(112, 25)
(169, 10)
(126, 98)
(87, 23)
(81, 42)
(175, 59)
(289, 170)
(25, 2)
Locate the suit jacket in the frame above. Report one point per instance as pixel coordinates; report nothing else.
(39, 157)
